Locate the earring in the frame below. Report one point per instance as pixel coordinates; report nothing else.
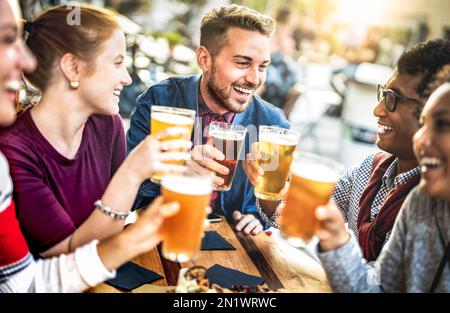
(74, 85)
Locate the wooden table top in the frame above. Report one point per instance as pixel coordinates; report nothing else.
(283, 267)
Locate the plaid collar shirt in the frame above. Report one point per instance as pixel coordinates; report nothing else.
(354, 181)
(207, 117)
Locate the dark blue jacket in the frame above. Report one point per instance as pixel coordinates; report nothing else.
(183, 92)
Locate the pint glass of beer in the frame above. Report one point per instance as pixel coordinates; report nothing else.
(228, 139)
(182, 233)
(312, 183)
(164, 117)
(276, 150)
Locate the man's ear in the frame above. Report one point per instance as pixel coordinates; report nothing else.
(204, 58)
(70, 67)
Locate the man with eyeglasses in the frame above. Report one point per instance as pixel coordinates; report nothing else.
(370, 195)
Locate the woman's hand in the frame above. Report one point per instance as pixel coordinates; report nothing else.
(145, 233)
(332, 231)
(137, 238)
(156, 150)
(251, 166)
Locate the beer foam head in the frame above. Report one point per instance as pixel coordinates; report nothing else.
(188, 185)
(226, 135)
(279, 139)
(315, 170)
(172, 118)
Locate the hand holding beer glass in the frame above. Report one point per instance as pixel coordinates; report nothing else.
(312, 183)
(164, 117)
(157, 153)
(228, 139)
(276, 151)
(182, 232)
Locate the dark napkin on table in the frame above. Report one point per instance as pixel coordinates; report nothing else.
(130, 276)
(214, 241)
(227, 277)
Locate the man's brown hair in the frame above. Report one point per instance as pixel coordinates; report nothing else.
(215, 24)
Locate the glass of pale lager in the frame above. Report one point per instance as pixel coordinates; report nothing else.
(276, 150)
(312, 182)
(228, 139)
(164, 117)
(182, 233)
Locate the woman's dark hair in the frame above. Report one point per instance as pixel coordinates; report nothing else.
(442, 77)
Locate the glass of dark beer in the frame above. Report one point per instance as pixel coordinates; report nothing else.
(228, 139)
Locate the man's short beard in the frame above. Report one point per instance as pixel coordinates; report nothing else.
(219, 96)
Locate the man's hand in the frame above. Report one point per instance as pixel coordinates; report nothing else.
(247, 223)
(251, 167)
(331, 232)
(203, 162)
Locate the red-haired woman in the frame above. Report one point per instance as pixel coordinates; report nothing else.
(91, 263)
(66, 154)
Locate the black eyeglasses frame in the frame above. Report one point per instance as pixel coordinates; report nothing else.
(383, 92)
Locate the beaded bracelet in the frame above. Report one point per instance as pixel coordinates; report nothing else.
(107, 210)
